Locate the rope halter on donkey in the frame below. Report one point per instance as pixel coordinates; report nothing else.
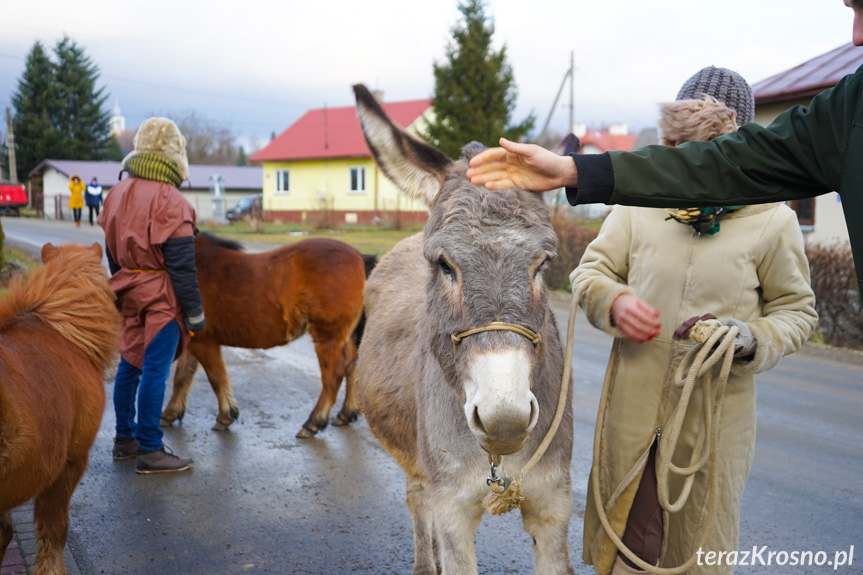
(506, 492)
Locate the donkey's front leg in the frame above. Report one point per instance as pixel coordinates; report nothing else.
(456, 519)
(425, 558)
(546, 512)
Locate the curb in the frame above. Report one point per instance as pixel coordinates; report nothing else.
(19, 560)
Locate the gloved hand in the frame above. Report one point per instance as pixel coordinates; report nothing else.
(195, 323)
(745, 343)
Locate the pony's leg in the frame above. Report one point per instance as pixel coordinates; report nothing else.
(332, 372)
(455, 525)
(184, 376)
(210, 356)
(51, 515)
(6, 533)
(546, 512)
(351, 407)
(425, 556)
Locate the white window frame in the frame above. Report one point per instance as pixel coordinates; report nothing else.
(361, 180)
(279, 181)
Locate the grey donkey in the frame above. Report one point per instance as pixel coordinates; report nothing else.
(443, 405)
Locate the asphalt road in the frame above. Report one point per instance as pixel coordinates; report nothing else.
(258, 500)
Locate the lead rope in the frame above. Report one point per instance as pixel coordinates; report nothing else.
(716, 342)
(506, 492)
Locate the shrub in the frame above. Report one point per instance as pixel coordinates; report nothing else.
(837, 297)
(573, 241)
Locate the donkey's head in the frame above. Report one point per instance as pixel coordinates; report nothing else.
(486, 252)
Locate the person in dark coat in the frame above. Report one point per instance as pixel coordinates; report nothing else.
(93, 198)
(805, 152)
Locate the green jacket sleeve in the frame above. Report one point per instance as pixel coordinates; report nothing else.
(801, 154)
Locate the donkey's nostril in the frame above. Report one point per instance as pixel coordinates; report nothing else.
(477, 422)
(534, 414)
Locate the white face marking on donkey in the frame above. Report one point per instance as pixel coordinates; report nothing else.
(461, 358)
(500, 409)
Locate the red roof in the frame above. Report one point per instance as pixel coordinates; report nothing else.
(607, 142)
(809, 78)
(333, 133)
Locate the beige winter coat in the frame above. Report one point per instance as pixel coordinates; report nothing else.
(753, 270)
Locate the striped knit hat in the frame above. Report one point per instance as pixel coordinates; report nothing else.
(726, 86)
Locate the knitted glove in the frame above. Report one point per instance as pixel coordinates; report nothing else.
(196, 323)
(745, 343)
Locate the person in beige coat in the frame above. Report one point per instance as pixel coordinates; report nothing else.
(647, 272)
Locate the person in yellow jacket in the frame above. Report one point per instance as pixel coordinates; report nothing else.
(76, 197)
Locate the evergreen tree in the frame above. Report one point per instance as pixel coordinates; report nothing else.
(475, 91)
(242, 160)
(58, 112)
(80, 115)
(36, 137)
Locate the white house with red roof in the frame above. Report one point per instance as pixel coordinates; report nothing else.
(320, 170)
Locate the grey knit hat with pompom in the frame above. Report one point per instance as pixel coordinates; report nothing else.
(726, 86)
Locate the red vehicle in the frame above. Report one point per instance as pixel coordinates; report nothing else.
(13, 197)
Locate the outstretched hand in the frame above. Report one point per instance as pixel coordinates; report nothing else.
(525, 166)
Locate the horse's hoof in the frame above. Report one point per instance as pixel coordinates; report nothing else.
(165, 422)
(221, 426)
(306, 433)
(341, 419)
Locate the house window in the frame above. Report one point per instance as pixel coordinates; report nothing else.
(358, 181)
(283, 181)
(805, 209)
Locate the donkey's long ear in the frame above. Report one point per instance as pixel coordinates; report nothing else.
(413, 165)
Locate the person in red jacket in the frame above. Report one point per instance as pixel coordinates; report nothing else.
(150, 243)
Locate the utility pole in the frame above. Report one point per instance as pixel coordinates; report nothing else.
(10, 144)
(572, 91)
(570, 74)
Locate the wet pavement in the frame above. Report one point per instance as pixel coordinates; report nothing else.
(258, 500)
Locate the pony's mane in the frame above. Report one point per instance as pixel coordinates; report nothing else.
(222, 242)
(70, 294)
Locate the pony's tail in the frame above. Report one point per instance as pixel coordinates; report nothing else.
(370, 261)
(70, 294)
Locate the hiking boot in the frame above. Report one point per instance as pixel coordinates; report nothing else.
(125, 448)
(161, 461)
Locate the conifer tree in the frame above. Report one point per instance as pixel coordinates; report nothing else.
(81, 117)
(475, 90)
(58, 111)
(36, 137)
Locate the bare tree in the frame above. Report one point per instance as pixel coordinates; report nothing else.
(207, 142)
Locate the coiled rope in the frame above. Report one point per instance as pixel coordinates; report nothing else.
(716, 342)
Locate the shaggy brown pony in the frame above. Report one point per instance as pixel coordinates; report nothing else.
(58, 333)
(259, 301)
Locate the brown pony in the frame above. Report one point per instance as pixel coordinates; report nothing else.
(268, 299)
(58, 333)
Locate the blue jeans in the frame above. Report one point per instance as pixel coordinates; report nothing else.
(158, 358)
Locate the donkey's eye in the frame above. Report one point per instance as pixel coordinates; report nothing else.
(446, 269)
(541, 267)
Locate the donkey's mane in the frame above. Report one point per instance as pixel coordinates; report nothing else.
(222, 242)
(71, 295)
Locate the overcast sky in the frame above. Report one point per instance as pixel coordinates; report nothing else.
(255, 66)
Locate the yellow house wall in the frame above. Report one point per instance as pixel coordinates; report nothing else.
(325, 184)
